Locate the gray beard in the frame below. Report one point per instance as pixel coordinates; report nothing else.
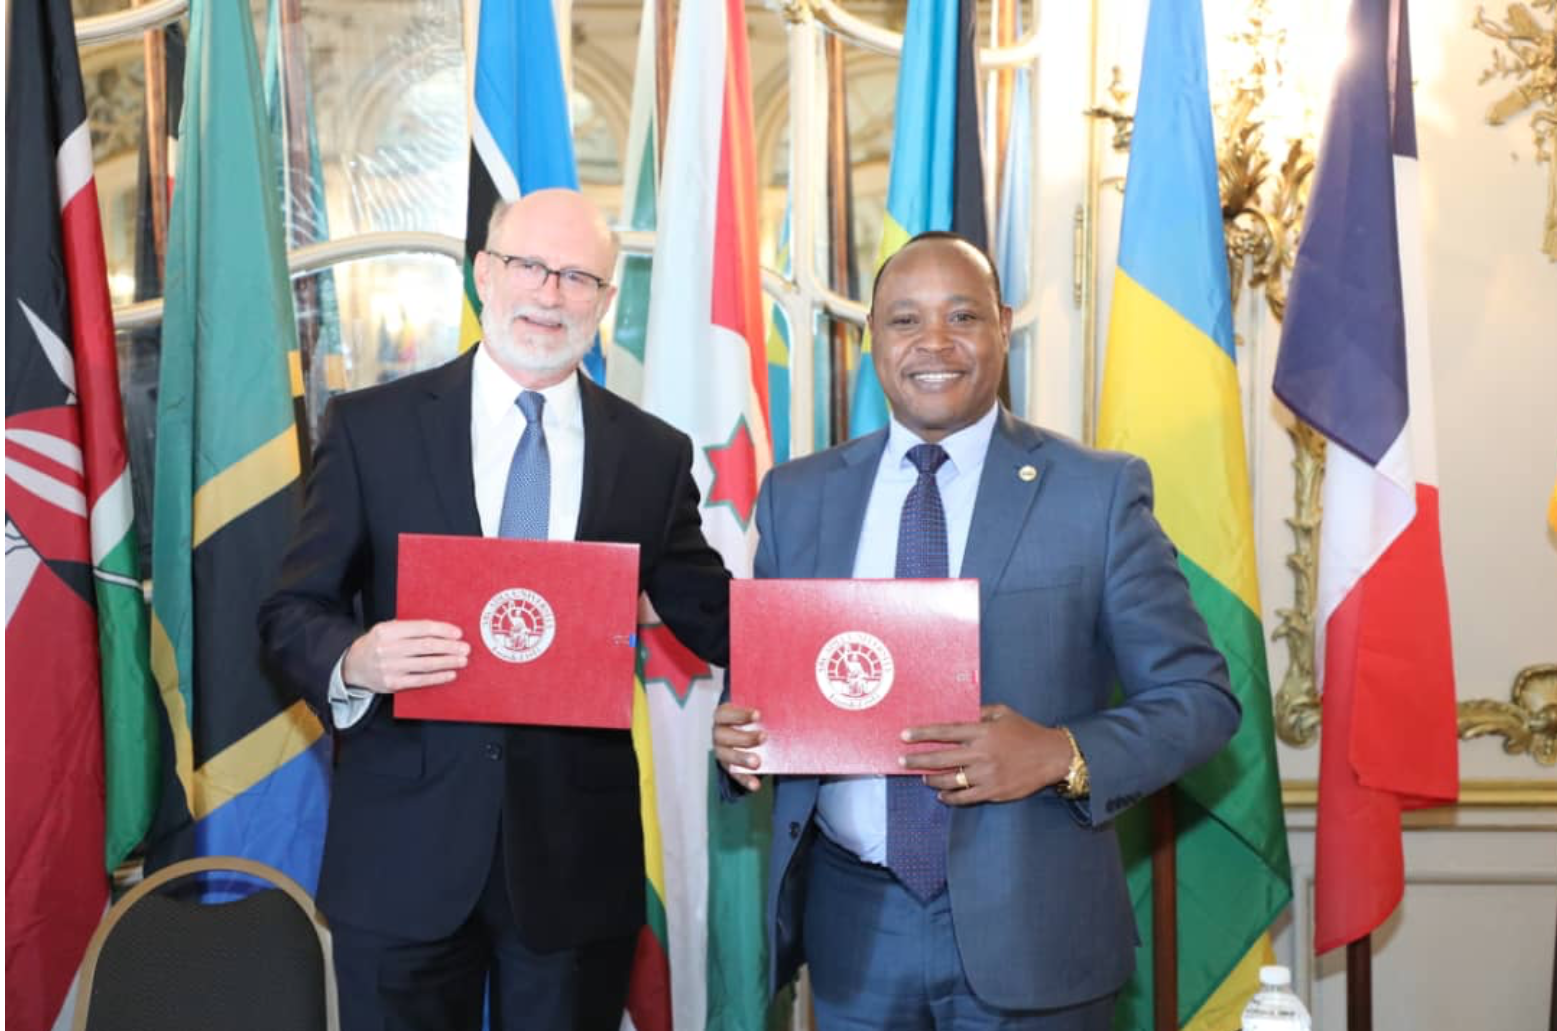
(511, 353)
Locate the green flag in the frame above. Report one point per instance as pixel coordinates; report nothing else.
(248, 758)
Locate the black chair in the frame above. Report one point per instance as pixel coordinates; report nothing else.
(167, 962)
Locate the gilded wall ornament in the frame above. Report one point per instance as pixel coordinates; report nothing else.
(1528, 56)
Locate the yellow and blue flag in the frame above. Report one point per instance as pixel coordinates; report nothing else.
(937, 175)
(1170, 395)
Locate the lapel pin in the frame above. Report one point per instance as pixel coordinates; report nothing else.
(1027, 474)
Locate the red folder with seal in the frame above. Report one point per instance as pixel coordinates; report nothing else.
(550, 625)
(839, 668)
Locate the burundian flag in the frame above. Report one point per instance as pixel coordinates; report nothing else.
(936, 179)
(521, 137)
(1170, 395)
(1354, 364)
(705, 371)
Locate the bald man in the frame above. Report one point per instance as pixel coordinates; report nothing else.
(459, 852)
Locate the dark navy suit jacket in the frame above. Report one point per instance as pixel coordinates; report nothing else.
(1080, 593)
(416, 806)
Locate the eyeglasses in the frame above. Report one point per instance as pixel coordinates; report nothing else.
(575, 283)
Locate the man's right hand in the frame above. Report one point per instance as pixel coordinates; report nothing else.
(398, 654)
(732, 735)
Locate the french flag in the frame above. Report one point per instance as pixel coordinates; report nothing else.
(1354, 364)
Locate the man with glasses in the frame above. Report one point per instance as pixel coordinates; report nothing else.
(461, 859)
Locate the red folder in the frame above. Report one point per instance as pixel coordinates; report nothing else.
(550, 626)
(839, 668)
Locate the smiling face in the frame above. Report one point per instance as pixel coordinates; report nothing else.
(939, 336)
(538, 334)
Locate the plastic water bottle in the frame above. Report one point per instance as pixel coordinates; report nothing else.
(1275, 1007)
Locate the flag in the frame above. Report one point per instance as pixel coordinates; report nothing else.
(318, 365)
(936, 179)
(1013, 228)
(705, 371)
(1354, 364)
(249, 761)
(521, 136)
(80, 748)
(1170, 394)
(648, 997)
(778, 358)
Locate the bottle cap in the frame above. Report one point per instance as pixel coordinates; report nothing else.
(1275, 975)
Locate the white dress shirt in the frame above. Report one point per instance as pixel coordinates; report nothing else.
(496, 424)
(852, 810)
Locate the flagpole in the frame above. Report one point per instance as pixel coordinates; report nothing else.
(840, 236)
(155, 50)
(1165, 916)
(664, 61)
(1359, 984)
(305, 289)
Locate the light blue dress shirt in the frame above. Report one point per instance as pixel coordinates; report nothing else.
(853, 810)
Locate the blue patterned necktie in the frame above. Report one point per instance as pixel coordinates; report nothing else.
(918, 822)
(527, 498)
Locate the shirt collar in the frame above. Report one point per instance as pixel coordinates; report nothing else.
(495, 393)
(965, 448)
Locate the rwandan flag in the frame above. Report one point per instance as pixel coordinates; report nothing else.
(249, 762)
(1354, 364)
(1170, 394)
(521, 137)
(937, 175)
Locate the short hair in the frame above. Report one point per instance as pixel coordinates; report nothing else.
(939, 234)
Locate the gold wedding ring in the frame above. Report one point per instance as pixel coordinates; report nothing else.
(962, 778)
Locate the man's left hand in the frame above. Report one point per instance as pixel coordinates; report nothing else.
(1003, 757)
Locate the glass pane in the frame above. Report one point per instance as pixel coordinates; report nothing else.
(395, 315)
(389, 103)
(114, 79)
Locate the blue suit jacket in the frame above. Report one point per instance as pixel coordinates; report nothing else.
(1079, 591)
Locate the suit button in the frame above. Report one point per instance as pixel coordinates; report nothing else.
(494, 751)
(794, 830)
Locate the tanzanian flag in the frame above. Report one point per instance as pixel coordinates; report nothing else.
(248, 760)
(1170, 394)
(937, 175)
(521, 138)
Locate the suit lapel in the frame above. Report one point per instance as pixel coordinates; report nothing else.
(1005, 497)
(602, 453)
(445, 418)
(845, 493)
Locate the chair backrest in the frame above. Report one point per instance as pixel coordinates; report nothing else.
(161, 961)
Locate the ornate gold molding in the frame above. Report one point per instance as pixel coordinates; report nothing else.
(1297, 699)
(1485, 794)
(1261, 214)
(1528, 55)
(1527, 723)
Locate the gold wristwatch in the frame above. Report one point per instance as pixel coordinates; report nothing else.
(1076, 783)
